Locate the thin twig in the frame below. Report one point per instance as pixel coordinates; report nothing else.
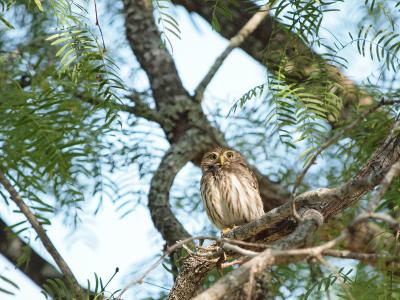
(387, 180)
(337, 274)
(234, 262)
(181, 244)
(239, 250)
(47, 243)
(141, 109)
(377, 216)
(234, 42)
(269, 257)
(156, 285)
(327, 144)
(98, 25)
(367, 257)
(156, 264)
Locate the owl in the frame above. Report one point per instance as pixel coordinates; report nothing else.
(229, 189)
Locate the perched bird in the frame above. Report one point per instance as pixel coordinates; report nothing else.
(229, 189)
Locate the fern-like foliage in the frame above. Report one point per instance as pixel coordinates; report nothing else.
(296, 109)
(325, 283)
(7, 286)
(304, 111)
(57, 289)
(303, 16)
(55, 116)
(167, 23)
(382, 45)
(296, 113)
(221, 8)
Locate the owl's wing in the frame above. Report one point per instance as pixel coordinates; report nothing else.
(254, 181)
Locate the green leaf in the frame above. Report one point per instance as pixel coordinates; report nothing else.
(8, 24)
(39, 4)
(9, 282)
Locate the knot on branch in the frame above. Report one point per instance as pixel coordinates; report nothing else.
(315, 215)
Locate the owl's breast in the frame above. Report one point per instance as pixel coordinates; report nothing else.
(230, 198)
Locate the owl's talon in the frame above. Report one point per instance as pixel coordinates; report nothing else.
(225, 231)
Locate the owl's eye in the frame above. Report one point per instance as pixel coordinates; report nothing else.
(229, 154)
(212, 156)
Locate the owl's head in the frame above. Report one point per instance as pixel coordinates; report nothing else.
(220, 157)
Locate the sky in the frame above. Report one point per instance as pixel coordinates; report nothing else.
(106, 241)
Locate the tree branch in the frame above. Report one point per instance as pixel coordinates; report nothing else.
(332, 141)
(365, 257)
(37, 268)
(271, 42)
(175, 158)
(61, 263)
(169, 94)
(175, 105)
(277, 223)
(234, 42)
(311, 220)
(237, 278)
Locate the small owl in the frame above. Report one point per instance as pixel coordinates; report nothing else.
(229, 189)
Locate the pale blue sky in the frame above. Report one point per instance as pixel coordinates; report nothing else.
(104, 241)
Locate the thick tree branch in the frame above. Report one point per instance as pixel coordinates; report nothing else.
(277, 223)
(37, 268)
(174, 104)
(381, 161)
(237, 278)
(175, 158)
(279, 254)
(169, 94)
(47, 243)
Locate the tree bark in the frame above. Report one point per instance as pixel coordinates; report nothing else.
(36, 268)
(276, 224)
(181, 112)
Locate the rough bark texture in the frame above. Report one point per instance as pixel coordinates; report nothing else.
(174, 160)
(237, 278)
(182, 113)
(325, 200)
(383, 158)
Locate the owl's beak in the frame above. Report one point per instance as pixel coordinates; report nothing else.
(221, 160)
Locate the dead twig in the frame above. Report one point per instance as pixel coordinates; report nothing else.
(225, 242)
(234, 42)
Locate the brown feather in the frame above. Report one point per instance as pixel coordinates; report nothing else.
(230, 191)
